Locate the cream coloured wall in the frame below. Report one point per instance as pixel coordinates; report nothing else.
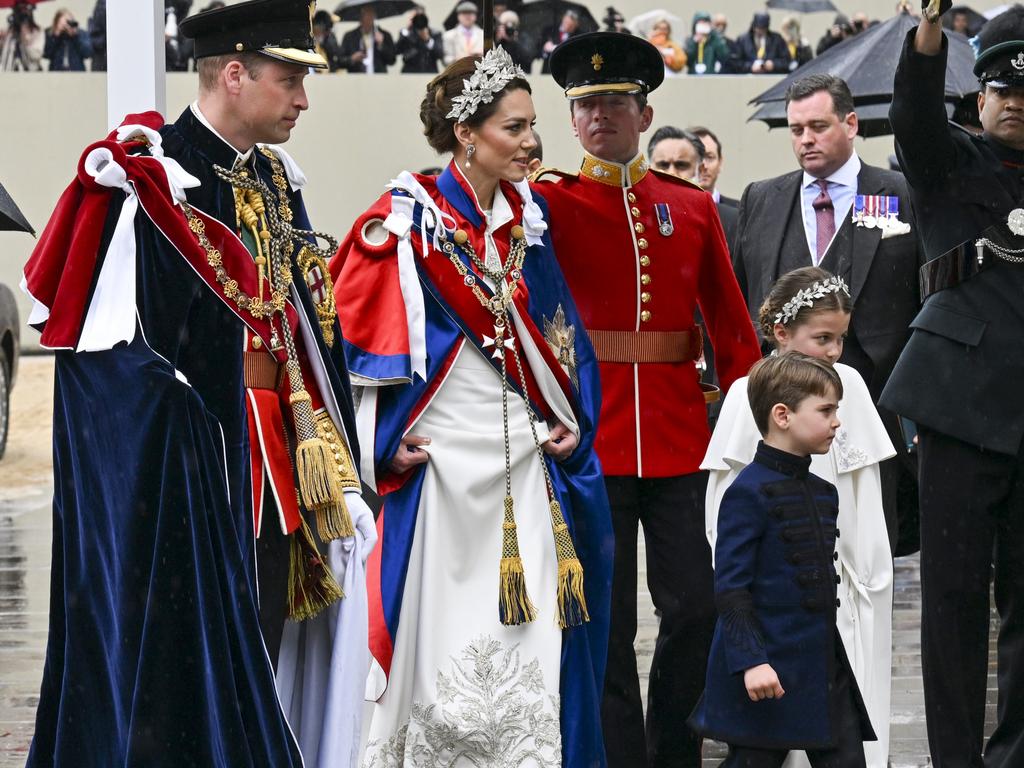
(358, 134)
(738, 11)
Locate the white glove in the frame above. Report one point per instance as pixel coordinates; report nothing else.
(362, 521)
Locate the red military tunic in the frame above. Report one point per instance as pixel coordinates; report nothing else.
(632, 268)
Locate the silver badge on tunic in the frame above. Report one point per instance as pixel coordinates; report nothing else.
(1015, 221)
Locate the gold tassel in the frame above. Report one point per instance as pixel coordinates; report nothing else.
(514, 606)
(311, 585)
(333, 520)
(320, 484)
(572, 602)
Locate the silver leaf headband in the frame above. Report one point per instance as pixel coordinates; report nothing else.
(807, 296)
(493, 72)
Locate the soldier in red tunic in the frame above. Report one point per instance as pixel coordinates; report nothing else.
(640, 251)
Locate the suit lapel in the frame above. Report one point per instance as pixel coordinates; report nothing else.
(865, 241)
(776, 218)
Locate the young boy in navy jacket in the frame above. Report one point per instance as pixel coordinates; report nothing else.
(778, 678)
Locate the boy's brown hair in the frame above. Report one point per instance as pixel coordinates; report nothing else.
(788, 378)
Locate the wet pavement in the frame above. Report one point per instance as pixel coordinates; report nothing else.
(24, 597)
(24, 600)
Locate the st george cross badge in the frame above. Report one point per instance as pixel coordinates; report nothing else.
(318, 279)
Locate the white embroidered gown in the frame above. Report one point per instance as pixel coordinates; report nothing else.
(464, 690)
(864, 618)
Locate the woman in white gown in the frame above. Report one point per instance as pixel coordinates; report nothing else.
(477, 407)
(808, 311)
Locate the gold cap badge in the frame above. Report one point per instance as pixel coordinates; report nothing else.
(598, 61)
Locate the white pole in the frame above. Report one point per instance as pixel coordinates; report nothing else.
(135, 59)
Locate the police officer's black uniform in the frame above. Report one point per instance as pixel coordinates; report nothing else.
(960, 379)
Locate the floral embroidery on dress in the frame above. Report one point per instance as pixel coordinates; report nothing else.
(492, 711)
(848, 457)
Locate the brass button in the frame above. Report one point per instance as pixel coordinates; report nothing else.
(645, 316)
(645, 279)
(635, 211)
(645, 261)
(257, 342)
(631, 197)
(639, 228)
(642, 242)
(645, 297)
(239, 47)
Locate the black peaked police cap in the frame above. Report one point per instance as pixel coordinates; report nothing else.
(281, 29)
(606, 62)
(999, 49)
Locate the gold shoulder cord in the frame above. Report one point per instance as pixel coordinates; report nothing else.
(322, 461)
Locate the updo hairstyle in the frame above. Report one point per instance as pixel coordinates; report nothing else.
(787, 287)
(437, 103)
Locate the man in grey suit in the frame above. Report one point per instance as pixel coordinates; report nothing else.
(854, 220)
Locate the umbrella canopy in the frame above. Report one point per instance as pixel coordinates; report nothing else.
(641, 25)
(975, 20)
(803, 6)
(872, 119)
(12, 3)
(11, 218)
(351, 9)
(536, 16)
(453, 17)
(867, 62)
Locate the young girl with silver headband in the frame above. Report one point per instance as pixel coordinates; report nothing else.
(808, 310)
(478, 397)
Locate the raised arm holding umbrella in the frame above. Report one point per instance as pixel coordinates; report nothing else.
(958, 380)
(368, 48)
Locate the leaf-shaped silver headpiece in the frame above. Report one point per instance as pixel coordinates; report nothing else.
(807, 296)
(493, 72)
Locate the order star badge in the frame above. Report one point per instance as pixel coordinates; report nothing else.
(561, 338)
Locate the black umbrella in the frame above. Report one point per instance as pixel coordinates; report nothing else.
(872, 119)
(868, 61)
(537, 16)
(11, 218)
(351, 9)
(453, 18)
(975, 20)
(803, 6)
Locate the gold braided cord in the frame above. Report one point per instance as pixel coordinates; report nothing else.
(514, 605)
(311, 586)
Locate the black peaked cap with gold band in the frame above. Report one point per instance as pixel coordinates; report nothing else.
(281, 29)
(606, 62)
(1000, 50)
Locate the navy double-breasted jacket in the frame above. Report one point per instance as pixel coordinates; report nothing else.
(775, 588)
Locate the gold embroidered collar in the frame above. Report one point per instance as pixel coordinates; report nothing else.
(614, 174)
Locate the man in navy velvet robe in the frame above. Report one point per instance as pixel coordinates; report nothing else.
(173, 431)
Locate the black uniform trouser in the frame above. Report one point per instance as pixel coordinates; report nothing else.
(681, 581)
(273, 556)
(972, 518)
(847, 753)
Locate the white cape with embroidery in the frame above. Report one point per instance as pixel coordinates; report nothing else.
(865, 562)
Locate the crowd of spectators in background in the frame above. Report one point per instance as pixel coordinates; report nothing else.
(707, 49)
